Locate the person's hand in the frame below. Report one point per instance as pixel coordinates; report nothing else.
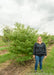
(33, 56)
(45, 56)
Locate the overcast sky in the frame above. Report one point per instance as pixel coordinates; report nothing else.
(36, 13)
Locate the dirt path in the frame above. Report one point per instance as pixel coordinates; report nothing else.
(2, 52)
(13, 69)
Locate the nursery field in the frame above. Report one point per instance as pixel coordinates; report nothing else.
(16, 51)
(5, 57)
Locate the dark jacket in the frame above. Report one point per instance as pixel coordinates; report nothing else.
(39, 49)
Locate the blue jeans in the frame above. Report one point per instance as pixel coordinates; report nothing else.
(38, 61)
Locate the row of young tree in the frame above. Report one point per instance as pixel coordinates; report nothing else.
(21, 41)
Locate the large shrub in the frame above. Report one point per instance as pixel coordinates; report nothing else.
(22, 42)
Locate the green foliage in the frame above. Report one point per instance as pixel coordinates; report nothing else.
(7, 34)
(22, 42)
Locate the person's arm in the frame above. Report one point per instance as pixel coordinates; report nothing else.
(34, 48)
(45, 50)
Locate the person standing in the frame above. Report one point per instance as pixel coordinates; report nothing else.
(39, 52)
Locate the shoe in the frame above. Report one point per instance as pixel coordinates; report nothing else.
(35, 70)
(41, 70)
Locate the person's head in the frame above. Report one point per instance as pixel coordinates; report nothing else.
(39, 39)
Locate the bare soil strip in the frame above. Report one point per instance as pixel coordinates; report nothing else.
(3, 52)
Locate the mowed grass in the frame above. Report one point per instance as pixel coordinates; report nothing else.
(3, 48)
(48, 65)
(5, 57)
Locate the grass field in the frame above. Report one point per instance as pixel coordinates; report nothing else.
(3, 48)
(48, 63)
(5, 57)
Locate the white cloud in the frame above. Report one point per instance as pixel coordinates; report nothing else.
(36, 13)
